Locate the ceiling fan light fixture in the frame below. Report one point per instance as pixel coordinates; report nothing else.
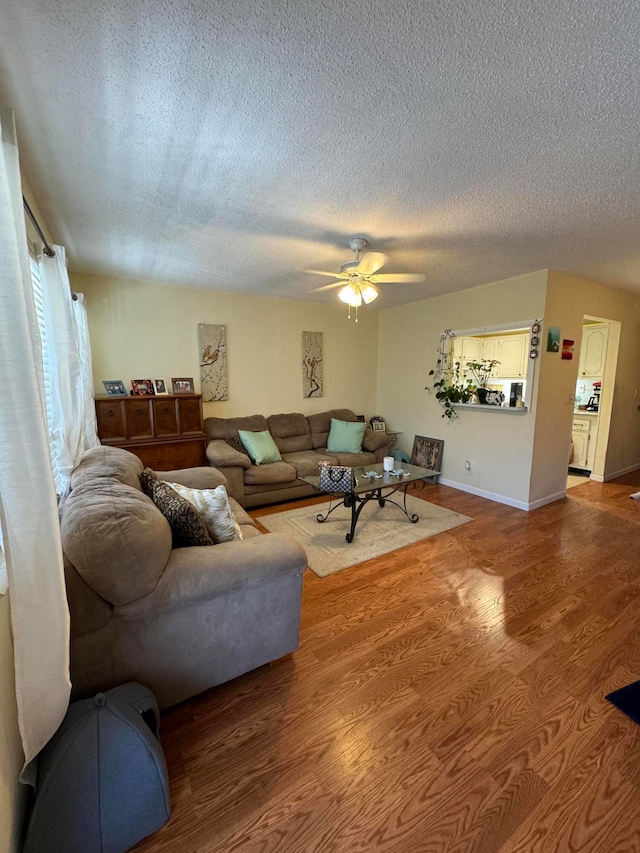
(351, 295)
(369, 292)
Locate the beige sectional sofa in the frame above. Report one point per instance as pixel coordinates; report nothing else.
(178, 620)
(302, 442)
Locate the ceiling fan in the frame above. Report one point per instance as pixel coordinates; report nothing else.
(358, 278)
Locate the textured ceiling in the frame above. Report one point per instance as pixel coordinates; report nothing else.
(230, 144)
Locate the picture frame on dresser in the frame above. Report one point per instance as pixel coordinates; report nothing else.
(160, 386)
(114, 388)
(142, 388)
(182, 385)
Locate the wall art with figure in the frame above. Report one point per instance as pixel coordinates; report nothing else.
(312, 382)
(212, 342)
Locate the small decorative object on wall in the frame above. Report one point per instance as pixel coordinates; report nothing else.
(142, 387)
(427, 452)
(567, 350)
(114, 388)
(534, 343)
(553, 339)
(182, 385)
(160, 386)
(212, 342)
(312, 380)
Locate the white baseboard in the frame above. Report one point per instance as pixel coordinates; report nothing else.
(503, 499)
(483, 493)
(597, 477)
(619, 473)
(548, 499)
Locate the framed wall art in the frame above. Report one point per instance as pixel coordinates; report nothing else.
(312, 379)
(212, 343)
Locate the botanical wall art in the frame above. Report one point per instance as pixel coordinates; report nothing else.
(312, 382)
(212, 341)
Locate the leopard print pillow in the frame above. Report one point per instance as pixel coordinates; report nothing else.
(187, 525)
(235, 442)
(147, 479)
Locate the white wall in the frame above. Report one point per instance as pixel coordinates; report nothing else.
(499, 446)
(147, 330)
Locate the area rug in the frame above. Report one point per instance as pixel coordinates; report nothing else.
(628, 700)
(380, 530)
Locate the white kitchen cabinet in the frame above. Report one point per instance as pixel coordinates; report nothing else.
(513, 352)
(580, 436)
(467, 349)
(593, 351)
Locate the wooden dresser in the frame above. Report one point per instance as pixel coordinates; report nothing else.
(165, 431)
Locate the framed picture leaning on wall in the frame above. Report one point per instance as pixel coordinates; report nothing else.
(427, 452)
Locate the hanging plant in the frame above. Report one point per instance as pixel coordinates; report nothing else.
(450, 385)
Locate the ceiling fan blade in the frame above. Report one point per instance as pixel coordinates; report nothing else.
(328, 286)
(331, 274)
(370, 263)
(398, 278)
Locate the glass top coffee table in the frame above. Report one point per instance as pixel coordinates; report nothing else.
(381, 488)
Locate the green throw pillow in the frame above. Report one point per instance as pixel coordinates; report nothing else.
(260, 446)
(345, 436)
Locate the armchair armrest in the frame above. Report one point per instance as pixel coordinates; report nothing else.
(195, 478)
(222, 455)
(200, 573)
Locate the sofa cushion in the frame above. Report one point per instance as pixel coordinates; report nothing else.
(187, 525)
(226, 428)
(345, 436)
(290, 432)
(213, 506)
(117, 540)
(320, 424)
(355, 460)
(272, 472)
(260, 446)
(375, 440)
(306, 461)
(112, 463)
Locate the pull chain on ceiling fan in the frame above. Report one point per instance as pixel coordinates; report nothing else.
(361, 277)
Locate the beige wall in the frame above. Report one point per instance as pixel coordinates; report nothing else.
(146, 330)
(498, 445)
(568, 300)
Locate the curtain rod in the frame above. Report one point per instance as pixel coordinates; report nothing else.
(46, 248)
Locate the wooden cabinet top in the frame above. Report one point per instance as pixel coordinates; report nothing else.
(146, 396)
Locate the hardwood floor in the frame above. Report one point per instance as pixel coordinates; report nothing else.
(445, 697)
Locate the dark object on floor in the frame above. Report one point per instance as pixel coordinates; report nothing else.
(628, 700)
(102, 779)
(579, 472)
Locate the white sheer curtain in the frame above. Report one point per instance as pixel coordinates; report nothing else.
(28, 504)
(72, 416)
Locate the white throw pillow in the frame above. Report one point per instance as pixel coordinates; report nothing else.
(213, 506)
